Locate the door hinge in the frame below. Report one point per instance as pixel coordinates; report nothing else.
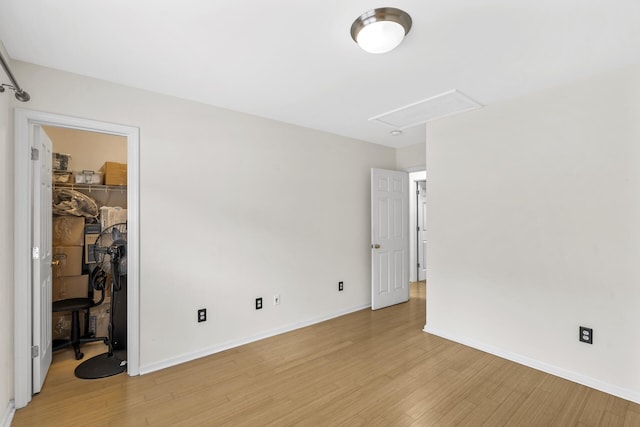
(418, 265)
(35, 351)
(35, 153)
(35, 253)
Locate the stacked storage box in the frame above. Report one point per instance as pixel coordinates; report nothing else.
(60, 164)
(70, 237)
(114, 173)
(111, 215)
(68, 280)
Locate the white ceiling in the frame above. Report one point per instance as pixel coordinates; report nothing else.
(294, 60)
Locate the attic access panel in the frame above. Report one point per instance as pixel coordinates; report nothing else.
(436, 107)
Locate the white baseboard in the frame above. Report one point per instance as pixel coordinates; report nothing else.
(624, 393)
(167, 363)
(7, 417)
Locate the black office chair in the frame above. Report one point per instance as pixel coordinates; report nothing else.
(97, 281)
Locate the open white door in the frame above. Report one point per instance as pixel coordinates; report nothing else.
(389, 238)
(42, 341)
(422, 230)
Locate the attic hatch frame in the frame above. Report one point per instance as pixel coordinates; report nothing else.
(24, 121)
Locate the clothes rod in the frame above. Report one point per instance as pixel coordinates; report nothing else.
(20, 94)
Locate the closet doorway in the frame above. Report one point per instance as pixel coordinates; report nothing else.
(89, 184)
(27, 125)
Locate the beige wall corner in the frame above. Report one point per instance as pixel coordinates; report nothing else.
(534, 231)
(411, 158)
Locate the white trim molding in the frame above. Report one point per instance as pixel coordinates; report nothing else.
(167, 363)
(419, 175)
(614, 390)
(7, 417)
(24, 120)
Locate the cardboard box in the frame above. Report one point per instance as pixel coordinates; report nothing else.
(69, 261)
(99, 319)
(98, 322)
(70, 287)
(112, 215)
(114, 173)
(61, 325)
(68, 230)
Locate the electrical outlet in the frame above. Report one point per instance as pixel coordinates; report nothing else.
(341, 286)
(202, 315)
(586, 335)
(276, 299)
(258, 303)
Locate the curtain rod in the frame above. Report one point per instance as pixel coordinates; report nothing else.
(21, 95)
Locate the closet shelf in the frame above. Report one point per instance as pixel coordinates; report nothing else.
(90, 187)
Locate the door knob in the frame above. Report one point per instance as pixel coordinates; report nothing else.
(55, 262)
(375, 246)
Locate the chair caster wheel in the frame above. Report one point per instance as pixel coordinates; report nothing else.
(79, 355)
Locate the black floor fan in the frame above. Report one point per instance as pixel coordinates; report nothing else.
(110, 253)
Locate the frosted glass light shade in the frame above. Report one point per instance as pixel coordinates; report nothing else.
(381, 36)
(381, 30)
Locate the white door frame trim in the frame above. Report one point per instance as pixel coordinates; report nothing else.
(23, 120)
(414, 177)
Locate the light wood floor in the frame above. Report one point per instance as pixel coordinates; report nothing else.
(363, 369)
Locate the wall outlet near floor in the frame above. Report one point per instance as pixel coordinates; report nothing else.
(586, 335)
(341, 286)
(276, 299)
(258, 303)
(202, 315)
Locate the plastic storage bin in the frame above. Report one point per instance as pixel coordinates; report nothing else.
(88, 177)
(60, 161)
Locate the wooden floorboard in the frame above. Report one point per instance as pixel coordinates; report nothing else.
(369, 368)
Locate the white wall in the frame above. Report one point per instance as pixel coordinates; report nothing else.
(233, 207)
(411, 158)
(534, 229)
(6, 249)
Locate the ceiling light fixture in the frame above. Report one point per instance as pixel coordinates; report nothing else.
(396, 132)
(381, 30)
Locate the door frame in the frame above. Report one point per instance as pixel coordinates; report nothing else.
(23, 120)
(414, 177)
